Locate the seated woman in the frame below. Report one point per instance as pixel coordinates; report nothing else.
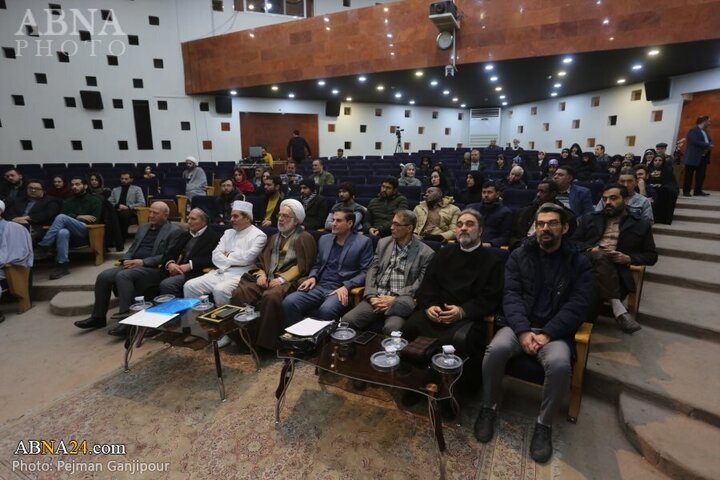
(662, 179)
(565, 160)
(473, 192)
(648, 157)
(148, 173)
(59, 188)
(501, 163)
(407, 176)
(587, 166)
(437, 179)
(616, 163)
(96, 185)
(241, 183)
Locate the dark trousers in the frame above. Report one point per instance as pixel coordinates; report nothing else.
(699, 173)
(264, 331)
(126, 282)
(124, 218)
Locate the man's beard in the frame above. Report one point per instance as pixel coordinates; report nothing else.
(286, 229)
(467, 240)
(613, 212)
(548, 240)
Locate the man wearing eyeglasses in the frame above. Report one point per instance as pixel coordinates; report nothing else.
(548, 286)
(34, 210)
(394, 276)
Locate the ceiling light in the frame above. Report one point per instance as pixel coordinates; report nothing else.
(553, 94)
(361, 79)
(419, 73)
(462, 105)
(504, 103)
(621, 81)
(455, 99)
(434, 83)
(606, 21)
(386, 20)
(252, 35)
(392, 53)
(380, 88)
(233, 92)
(327, 28)
(598, 2)
(335, 91)
(326, 19)
(557, 85)
(611, 38)
(412, 102)
(291, 95)
(446, 92)
(321, 83)
(502, 97)
(567, 60)
(251, 7)
(348, 99)
(562, 74)
(493, 79)
(498, 89)
(489, 67)
(274, 88)
(654, 52)
(637, 67)
(386, 9)
(398, 95)
(389, 35)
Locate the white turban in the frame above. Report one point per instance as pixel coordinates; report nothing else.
(191, 159)
(245, 207)
(296, 207)
(2, 206)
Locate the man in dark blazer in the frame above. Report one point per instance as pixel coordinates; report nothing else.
(34, 210)
(137, 270)
(575, 197)
(394, 276)
(697, 156)
(342, 262)
(190, 254)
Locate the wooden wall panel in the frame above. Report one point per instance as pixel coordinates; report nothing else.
(275, 129)
(705, 103)
(357, 41)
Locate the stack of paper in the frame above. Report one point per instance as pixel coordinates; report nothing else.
(148, 319)
(307, 327)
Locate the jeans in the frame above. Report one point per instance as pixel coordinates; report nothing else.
(62, 230)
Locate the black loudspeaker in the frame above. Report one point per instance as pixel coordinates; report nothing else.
(438, 8)
(332, 108)
(657, 89)
(223, 104)
(91, 100)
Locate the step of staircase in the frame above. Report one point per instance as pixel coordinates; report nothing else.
(702, 214)
(685, 273)
(695, 218)
(69, 304)
(674, 370)
(688, 248)
(81, 279)
(676, 444)
(680, 310)
(704, 230)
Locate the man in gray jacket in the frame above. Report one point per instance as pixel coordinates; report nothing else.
(394, 275)
(137, 270)
(126, 199)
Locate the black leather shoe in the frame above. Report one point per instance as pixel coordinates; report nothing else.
(91, 323)
(701, 194)
(541, 445)
(686, 195)
(485, 425)
(119, 330)
(61, 269)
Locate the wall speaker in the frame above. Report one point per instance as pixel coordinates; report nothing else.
(657, 89)
(223, 104)
(332, 108)
(91, 100)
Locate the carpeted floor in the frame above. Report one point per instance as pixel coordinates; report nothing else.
(167, 410)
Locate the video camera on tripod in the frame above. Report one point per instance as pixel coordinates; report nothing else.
(398, 134)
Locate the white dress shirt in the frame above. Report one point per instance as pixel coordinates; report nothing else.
(237, 251)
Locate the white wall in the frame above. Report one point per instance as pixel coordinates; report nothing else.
(633, 117)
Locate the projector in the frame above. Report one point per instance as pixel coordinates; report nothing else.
(444, 15)
(439, 8)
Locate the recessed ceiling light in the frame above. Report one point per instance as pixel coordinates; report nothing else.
(462, 105)
(493, 79)
(498, 89)
(335, 91)
(274, 88)
(391, 45)
(611, 38)
(621, 80)
(455, 99)
(291, 95)
(389, 35)
(557, 85)
(380, 88)
(251, 7)
(654, 52)
(327, 28)
(562, 74)
(598, 2)
(392, 53)
(233, 92)
(446, 92)
(419, 73)
(606, 21)
(326, 19)
(398, 95)
(361, 79)
(412, 102)
(434, 83)
(504, 103)
(637, 67)
(567, 60)
(489, 67)
(553, 94)
(252, 35)
(502, 97)
(386, 9)
(386, 20)
(348, 99)
(321, 83)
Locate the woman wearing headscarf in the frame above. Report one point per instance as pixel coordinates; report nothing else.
(473, 192)
(241, 182)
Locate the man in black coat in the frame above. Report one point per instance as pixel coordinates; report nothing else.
(497, 218)
(548, 286)
(190, 254)
(615, 238)
(524, 226)
(296, 147)
(34, 210)
(315, 205)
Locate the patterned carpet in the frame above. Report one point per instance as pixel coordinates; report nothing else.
(167, 409)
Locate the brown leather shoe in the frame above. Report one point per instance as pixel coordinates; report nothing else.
(627, 324)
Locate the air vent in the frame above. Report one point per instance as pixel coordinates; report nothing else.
(484, 112)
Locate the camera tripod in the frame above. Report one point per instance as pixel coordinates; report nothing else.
(398, 145)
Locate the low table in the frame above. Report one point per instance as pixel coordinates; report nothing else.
(187, 324)
(352, 360)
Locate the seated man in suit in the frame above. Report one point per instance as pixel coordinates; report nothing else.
(83, 208)
(615, 238)
(35, 210)
(394, 276)
(138, 270)
(15, 246)
(463, 283)
(575, 197)
(126, 199)
(548, 285)
(190, 254)
(342, 262)
(497, 218)
(286, 258)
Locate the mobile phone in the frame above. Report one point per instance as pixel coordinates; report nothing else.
(364, 338)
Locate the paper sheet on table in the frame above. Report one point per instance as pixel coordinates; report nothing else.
(307, 327)
(148, 319)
